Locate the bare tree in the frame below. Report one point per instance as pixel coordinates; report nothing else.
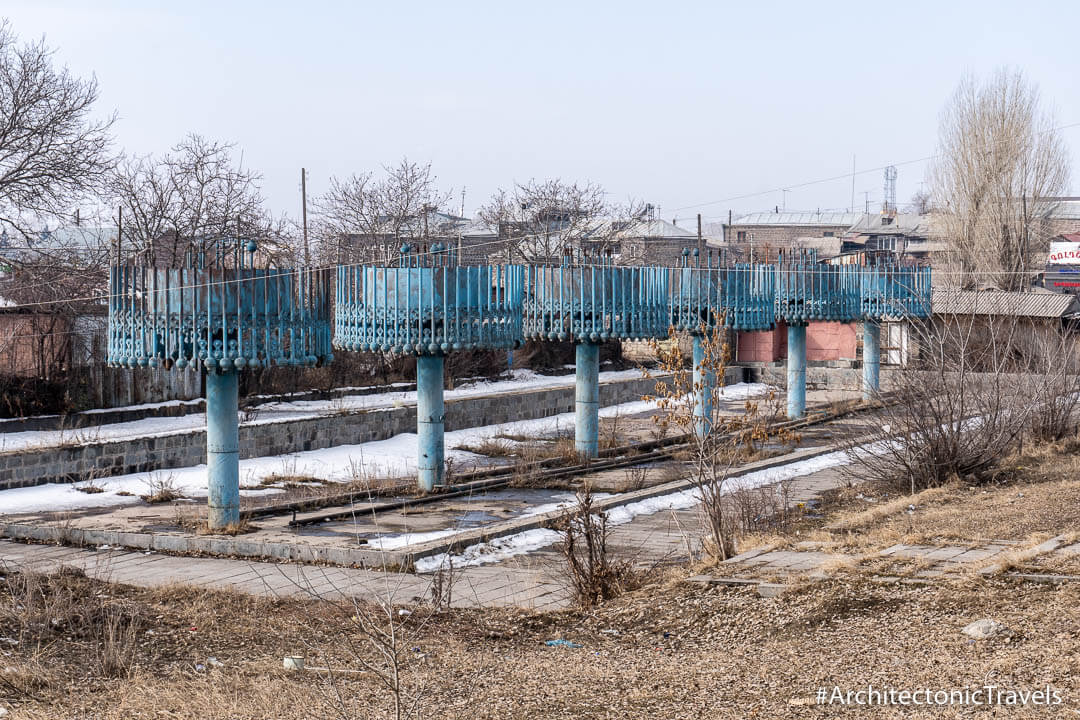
(921, 202)
(365, 218)
(1000, 157)
(53, 152)
(539, 221)
(191, 197)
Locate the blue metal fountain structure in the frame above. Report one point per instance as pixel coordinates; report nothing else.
(218, 314)
(709, 294)
(429, 306)
(589, 300)
(809, 291)
(888, 290)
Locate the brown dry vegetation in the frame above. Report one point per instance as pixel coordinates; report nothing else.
(666, 651)
(1036, 495)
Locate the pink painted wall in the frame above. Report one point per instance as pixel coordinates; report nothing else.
(831, 341)
(763, 346)
(824, 341)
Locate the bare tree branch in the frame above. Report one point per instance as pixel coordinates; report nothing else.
(52, 151)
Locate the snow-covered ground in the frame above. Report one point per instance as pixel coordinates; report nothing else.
(286, 411)
(393, 457)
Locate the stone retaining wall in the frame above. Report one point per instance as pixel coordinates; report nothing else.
(183, 449)
(818, 377)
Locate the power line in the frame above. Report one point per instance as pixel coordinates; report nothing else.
(844, 176)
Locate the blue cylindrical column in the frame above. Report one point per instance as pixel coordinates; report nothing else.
(796, 371)
(587, 400)
(871, 358)
(222, 449)
(704, 381)
(429, 421)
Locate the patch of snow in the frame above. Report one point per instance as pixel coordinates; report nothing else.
(495, 550)
(400, 540)
(391, 458)
(284, 411)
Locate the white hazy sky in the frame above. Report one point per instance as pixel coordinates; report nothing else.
(676, 103)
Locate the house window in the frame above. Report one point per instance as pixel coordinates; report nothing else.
(828, 233)
(741, 236)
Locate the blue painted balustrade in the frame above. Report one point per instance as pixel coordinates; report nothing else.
(218, 314)
(429, 306)
(708, 294)
(589, 302)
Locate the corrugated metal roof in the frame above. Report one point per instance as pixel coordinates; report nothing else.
(478, 228)
(953, 301)
(828, 219)
(900, 224)
(826, 247)
(1063, 208)
(639, 228)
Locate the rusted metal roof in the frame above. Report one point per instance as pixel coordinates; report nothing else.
(953, 301)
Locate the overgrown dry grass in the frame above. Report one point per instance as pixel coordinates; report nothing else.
(665, 650)
(1037, 496)
(495, 447)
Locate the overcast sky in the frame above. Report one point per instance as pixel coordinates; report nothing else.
(675, 103)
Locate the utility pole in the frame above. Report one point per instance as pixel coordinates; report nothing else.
(852, 182)
(700, 243)
(303, 212)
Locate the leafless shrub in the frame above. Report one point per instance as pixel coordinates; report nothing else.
(90, 487)
(161, 488)
(724, 441)
(761, 509)
(525, 464)
(593, 574)
(566, 450)
(610, 437)
(491, 447)
(441, 592)
(1054, 385)
(956, 412)
(374, 637)
(634, 478)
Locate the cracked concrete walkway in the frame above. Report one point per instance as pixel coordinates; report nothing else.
(530, 581)
(939, 560)
(482, 586)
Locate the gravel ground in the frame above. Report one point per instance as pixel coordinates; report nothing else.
(667, 651)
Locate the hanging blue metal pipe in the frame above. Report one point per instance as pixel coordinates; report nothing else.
(871, 358)
(587, 399)
(796, 371)
(704, 382)
(222, 449)
(429, 421)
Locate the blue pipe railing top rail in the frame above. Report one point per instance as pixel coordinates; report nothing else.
(428, 305)
(218, 318)
(594, 303)
(741, 296)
